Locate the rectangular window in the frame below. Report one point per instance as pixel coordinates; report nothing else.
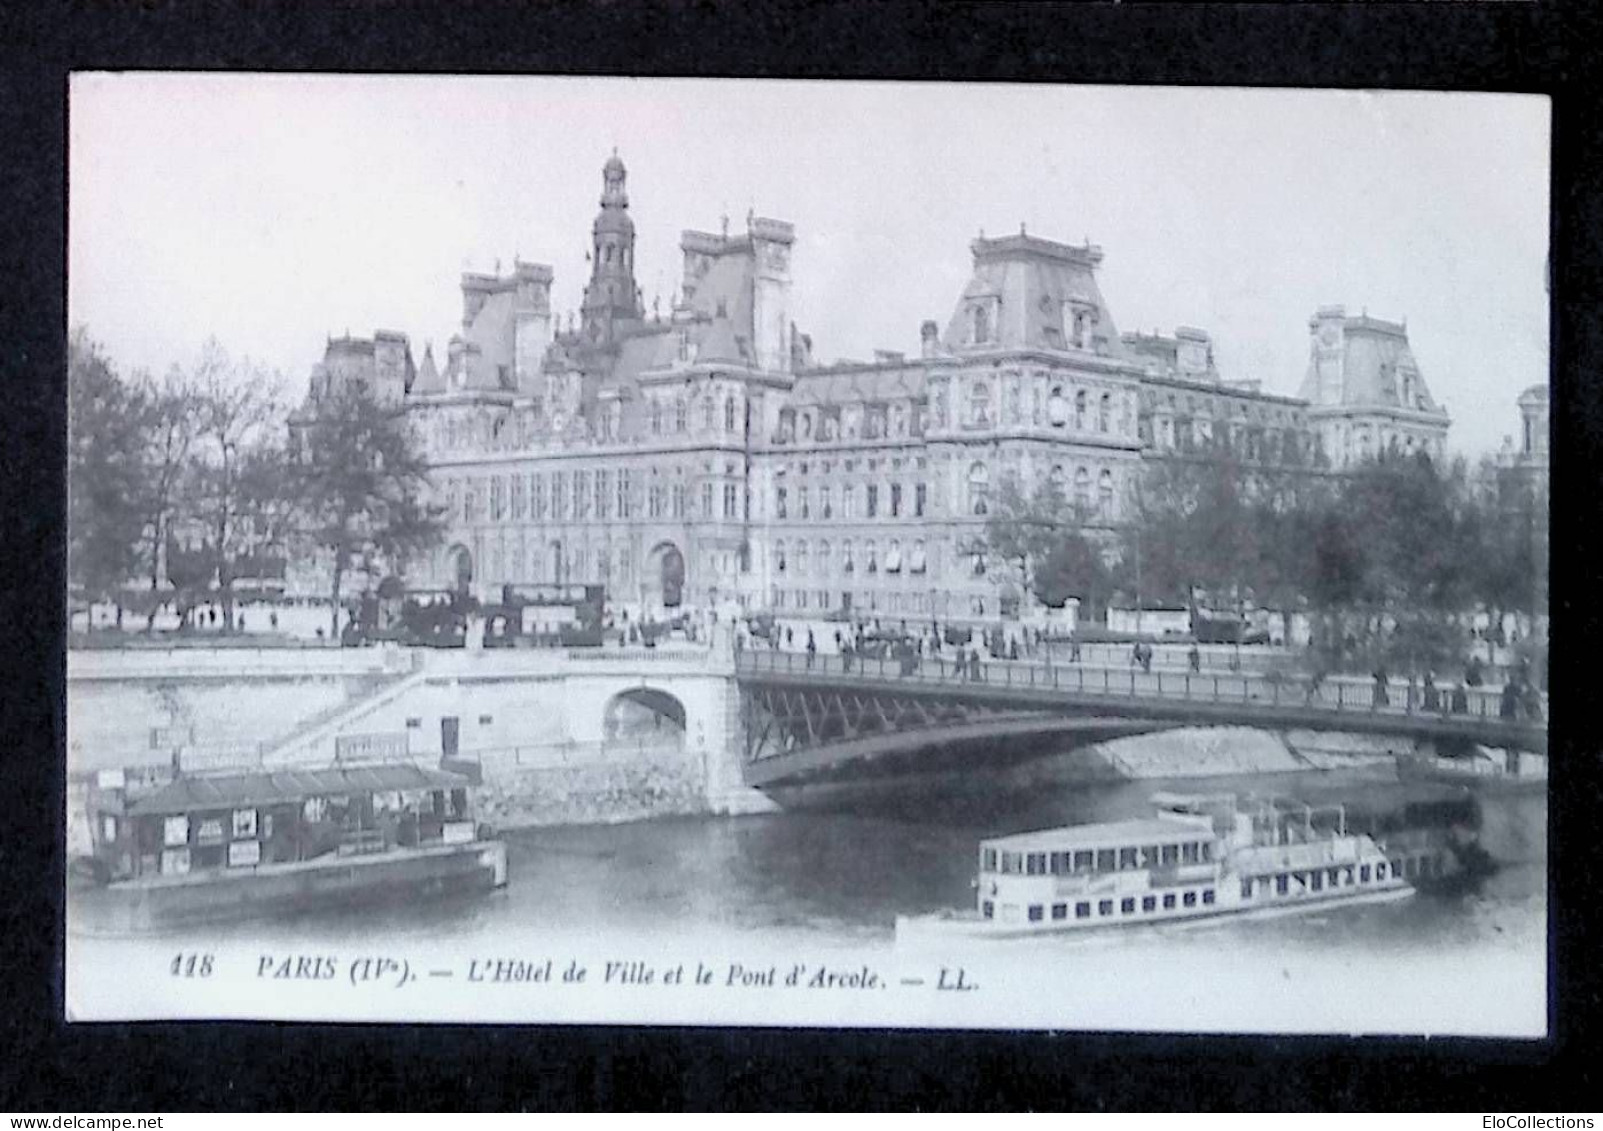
(988, 860)
(1190, 899)
(1380, 871)
(244, 853)
(1127, 905)
(175, 832)
(1035, 864)
(873, 500)
(706, 501)
(1127, 858)
(1104, 907)
(519, 505)
(624, 487)
(1363, 874)
(896, 500)
(1082, 910)
(825, 506)
(679, 500)
(1149, 903)
(1188, 853)
(1316, 881)
(603, 494)
(848, 502)
(1335, 877)
(1246, 889)
(1035, 913)
(559, 495)
(581, 494)
(920, 499)
(1060, 911)
(1083, 861)
(1171, 854)
(802, 510)
(414, 723)
(1207, 896)
(1282, 884)
(1168, 902)
(779, 502)
(1347, 876)
(537, 499)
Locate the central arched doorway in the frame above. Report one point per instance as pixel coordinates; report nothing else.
(664, 579)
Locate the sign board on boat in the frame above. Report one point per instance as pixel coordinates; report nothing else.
(165, 738)
(369, 747)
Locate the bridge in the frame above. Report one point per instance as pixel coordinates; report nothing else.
(810, 717)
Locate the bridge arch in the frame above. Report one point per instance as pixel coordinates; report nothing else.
(644, 715)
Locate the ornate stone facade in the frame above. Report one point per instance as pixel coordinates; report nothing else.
(699, 456)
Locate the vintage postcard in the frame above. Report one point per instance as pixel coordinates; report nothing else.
(807, 553)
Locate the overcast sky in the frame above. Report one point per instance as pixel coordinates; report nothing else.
(270, 211)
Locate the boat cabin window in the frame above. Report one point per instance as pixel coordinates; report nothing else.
(1104, 907)
(1060, 911)
(1083, 860)
(1171, 854)
(1082, 910)
(1105, 860)
(1127, 858)
(1150, 856)
(244, 824)
(1035, 864)
(1149, 903)
(1363, 874)
(988, 860)
(1188, 853)
(1011, 864)
(1190, 899)
(1035, 912)
(1127, 906)
(1207, 896)
(1282, 884)
(175, 833)
(1316, 880)
(1168, 902)
(1246, 889)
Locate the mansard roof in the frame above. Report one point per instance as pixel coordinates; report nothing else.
(1375, 359)
(1032, 279)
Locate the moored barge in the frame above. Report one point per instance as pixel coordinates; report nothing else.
(171, 849)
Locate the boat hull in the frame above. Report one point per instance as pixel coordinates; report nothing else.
(970, 925)
(287, 890)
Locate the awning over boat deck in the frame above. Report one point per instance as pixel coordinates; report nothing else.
(261, 787)
(1115, 834)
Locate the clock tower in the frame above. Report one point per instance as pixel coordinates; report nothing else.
(611, 296)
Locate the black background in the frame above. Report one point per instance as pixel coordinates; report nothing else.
(48, 1067)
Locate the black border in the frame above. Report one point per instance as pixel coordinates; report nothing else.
(48, 1066)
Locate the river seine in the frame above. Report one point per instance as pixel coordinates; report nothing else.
(832, 883)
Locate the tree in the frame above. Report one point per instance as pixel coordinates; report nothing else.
(1040, 535)
(236, 403)
(360, 481)
(104, 448)
(172, 412)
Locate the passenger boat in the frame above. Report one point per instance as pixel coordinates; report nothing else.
(1199, 857)
(171, 848)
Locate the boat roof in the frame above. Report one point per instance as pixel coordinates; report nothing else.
(263, 787)
(1113, 834)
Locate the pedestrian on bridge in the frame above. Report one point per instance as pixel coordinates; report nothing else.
(1382, 694)
(1510, 706)
(1432, 698)
(975, 673)
(1194, 657)
(1459, 700)
(960, 665)
(1531, 700)
(812, 648)
(1013, 648)
(1074, 649)
(846, 652)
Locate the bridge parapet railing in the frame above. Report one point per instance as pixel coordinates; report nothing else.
(1334, 695)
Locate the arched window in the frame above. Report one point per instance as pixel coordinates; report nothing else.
(679, 414)
(846, 563)
(1104, 489)
(656, 418)
(1079, 409)
(893, 557)
(1057, 481)
(982, 324)
(801, 557)
(706, 413)
(979, 405)
(1082, 488)
(1104, 412)
(779, 556)
(729, 414)
(872, 555)
(979, 488)
(1057, 408)
(823, 558)
(916, 562)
